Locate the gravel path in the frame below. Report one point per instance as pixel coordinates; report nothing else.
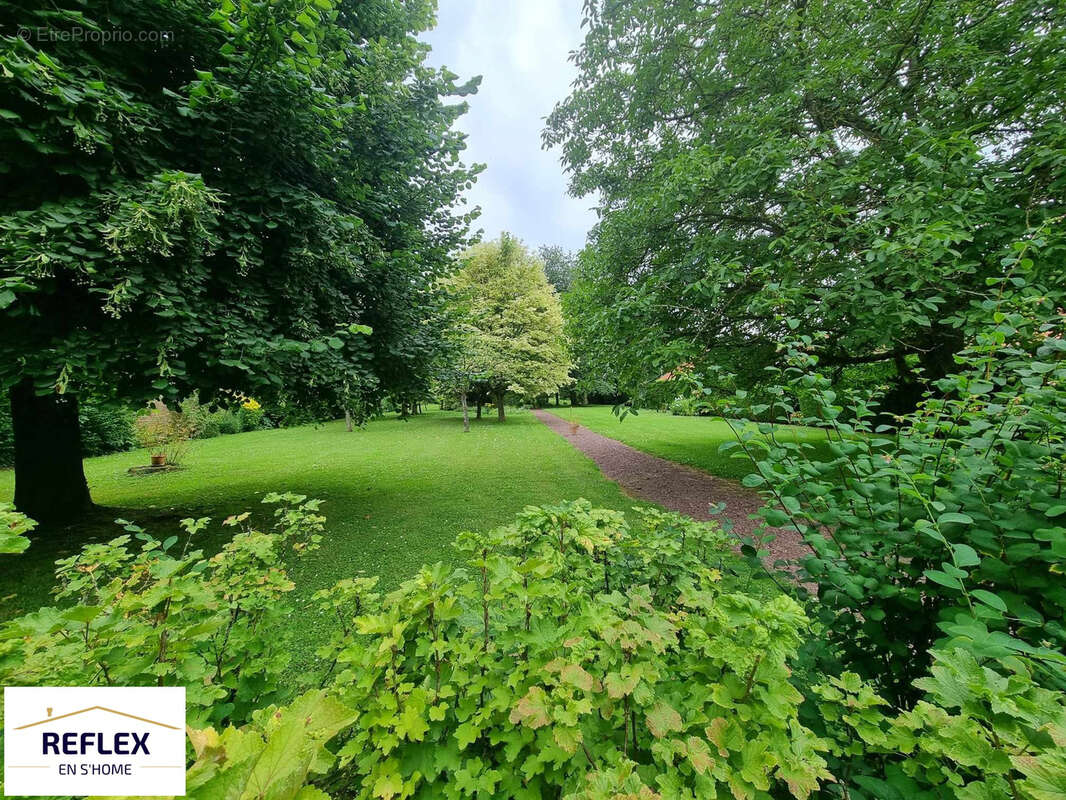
(673, 485)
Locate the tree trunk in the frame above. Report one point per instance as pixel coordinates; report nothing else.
(479, 409)
(556, 399)
(466, 412)
(499, 406)
(50, 483)
(348, 420)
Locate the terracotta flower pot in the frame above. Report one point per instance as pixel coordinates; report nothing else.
(573, 428)
(159, 461)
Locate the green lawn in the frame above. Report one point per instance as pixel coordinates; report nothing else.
(686, 440)
(396, 494)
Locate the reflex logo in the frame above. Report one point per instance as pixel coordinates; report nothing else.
(81, 741)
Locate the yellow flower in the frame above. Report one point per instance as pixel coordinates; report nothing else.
(251, 404)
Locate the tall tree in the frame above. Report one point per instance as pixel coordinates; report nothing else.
(214, 197)
(514, 337)
(847, 165)
(558, 265)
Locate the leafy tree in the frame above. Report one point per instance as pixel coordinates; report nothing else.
(558, 266)
(848, 167)
(514, 341)
(227, 201)
(952, 527)
(463, 367)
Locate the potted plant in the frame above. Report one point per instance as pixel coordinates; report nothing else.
(164, 433)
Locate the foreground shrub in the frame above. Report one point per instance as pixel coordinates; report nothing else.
(939, 551)
(274, 756)
(573, 656)
(139, 611)
(570, 656)
(13, 529)
(984, 728)
(951, 524)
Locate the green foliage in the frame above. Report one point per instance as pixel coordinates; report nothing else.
(13, 527)
(938, 550)
(139, 611)
(570, 656)
(949, 525)
(275, 756)
(852, 167)
(509, 321)
(558, 266)
(983, 729)
(234, 204)
(105, 429)
(573, 656)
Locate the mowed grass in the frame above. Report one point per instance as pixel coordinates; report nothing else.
(396, 494)
(687, 440)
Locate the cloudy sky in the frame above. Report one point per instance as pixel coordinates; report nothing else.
(520, 47)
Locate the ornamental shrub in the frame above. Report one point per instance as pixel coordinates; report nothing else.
(938, 547)
(572, 656)
(949, 524)
(569, 656)
(138, 611)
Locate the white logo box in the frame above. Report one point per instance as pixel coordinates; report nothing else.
(82, 741)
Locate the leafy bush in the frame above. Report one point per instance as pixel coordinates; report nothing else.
(574, 657)
(142, 611)
(13, 527)
(984, 729)
(105, 429)
(687, 406)
(570, 656)
(938, 548)
(227, 422)
(252, 416)
(275, 755)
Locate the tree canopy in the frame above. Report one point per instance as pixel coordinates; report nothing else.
(558, 265)
(511, 324)
(853, 167)
(261, 199)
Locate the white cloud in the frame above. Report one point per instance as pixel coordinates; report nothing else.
(521, 48)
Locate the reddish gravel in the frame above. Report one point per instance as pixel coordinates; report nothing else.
(674, 486)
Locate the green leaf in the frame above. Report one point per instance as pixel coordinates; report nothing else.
(989, 599)
(965, 556)
(943, 579)
(662, 719)
(954, 517)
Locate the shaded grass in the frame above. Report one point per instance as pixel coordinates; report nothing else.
(687, 440)
(396, 494)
